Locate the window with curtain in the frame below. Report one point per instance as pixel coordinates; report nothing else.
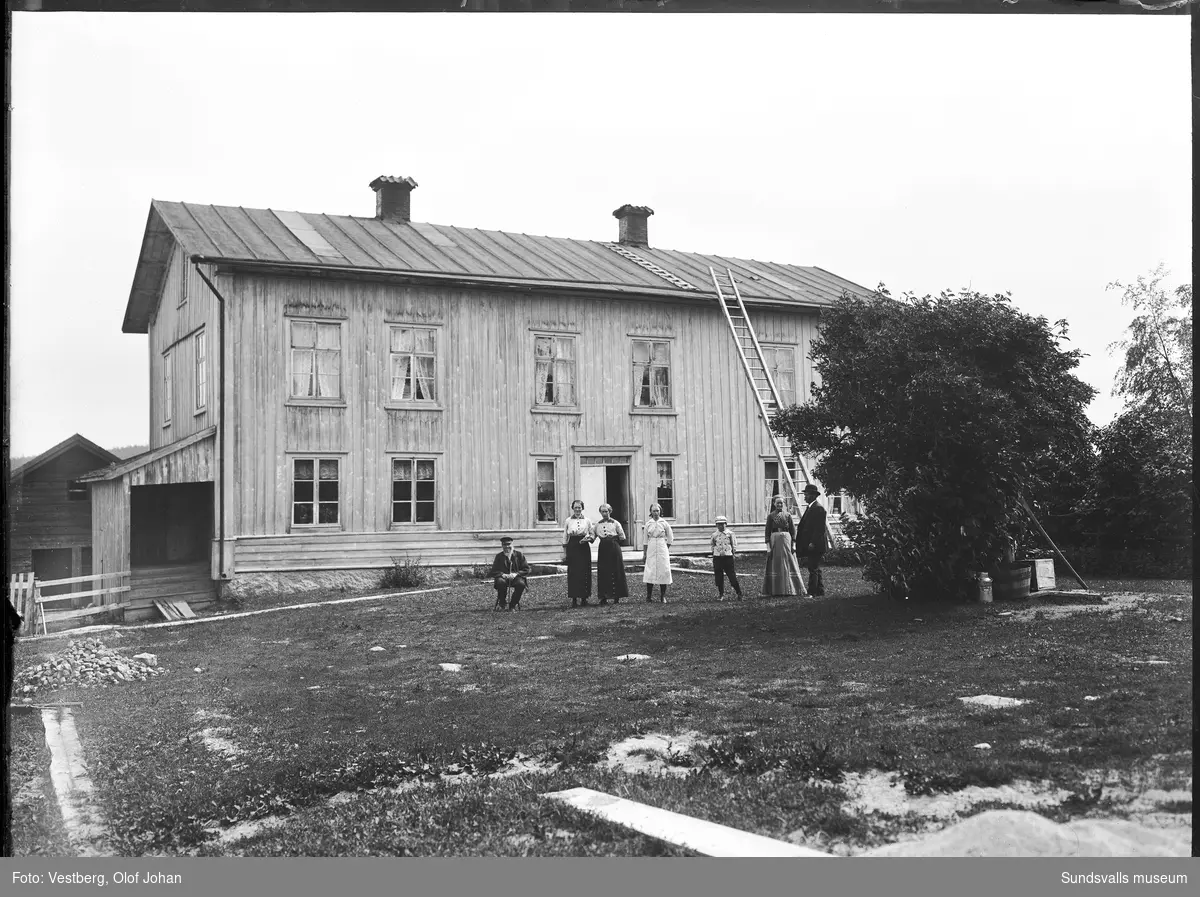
(414, 364)
(773, 485)
(315, 491)
(781, 362)
(651, 374)
(546, 498)
(201, 347)
(316, 360)
(414, 490)
(665, 492)
(554, 370)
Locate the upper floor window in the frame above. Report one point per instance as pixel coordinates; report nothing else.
(554, 370)
(651, 375)
(183, 280)
(316, 360)
(414, 364)
(77, 491)
(168, 387)
(315, 491)
(201, 352)
(781, 362)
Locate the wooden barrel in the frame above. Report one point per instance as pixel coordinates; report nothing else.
(1012, 582)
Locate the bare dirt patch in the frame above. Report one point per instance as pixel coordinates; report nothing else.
(652, 753)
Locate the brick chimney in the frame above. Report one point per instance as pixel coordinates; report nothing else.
(392, 198)
(632, 220)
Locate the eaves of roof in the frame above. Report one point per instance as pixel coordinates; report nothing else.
(120, 468)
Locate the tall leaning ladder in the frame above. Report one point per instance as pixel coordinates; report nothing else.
(761, 381)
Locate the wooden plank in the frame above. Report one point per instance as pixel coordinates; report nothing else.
(698, 835)
(55, 615)
(181, 607)
(58, 582)
(174, 608)
(69, 596)
(168, 610)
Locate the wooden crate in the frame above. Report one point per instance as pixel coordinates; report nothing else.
(1043, 574)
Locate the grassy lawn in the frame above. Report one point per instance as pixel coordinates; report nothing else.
(775, 706)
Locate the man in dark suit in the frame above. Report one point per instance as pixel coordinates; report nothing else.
(810, 540)
(509, 570)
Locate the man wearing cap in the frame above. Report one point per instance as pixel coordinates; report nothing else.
(810, 540)
(509, 570)
(724, 550)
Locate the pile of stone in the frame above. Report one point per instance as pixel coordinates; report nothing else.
(84, 663)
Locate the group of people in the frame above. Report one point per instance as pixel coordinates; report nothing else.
(788, 544)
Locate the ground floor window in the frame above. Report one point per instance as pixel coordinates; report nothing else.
(665, 491)
(547, 500)
(414, 490)
(774, 484)
(315, 491)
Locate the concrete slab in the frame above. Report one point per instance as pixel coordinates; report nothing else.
(82, 819)
(698, 835)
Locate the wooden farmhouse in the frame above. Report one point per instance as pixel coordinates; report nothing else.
(50, 513)
(333, 392)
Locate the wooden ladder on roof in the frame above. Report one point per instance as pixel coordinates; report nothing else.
(791, 464)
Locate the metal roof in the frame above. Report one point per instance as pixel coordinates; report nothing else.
(237, 235)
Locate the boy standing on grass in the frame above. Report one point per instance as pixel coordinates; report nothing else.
(724, 550)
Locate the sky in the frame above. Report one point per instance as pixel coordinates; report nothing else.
(1045, 156)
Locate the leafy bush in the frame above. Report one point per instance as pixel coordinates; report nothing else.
(405, 573)
(939, 413)
(843, 556)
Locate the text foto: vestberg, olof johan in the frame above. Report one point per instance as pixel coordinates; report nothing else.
(100, 881)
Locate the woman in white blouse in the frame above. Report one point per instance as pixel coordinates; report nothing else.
(657, 558)
(610, 563)
(577, 540)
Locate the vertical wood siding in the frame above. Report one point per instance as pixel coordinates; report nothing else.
(191, 464)
(174, 327)
(110, 526)
(484, 434)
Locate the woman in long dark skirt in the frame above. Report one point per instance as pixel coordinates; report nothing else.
(577, 539)
(783, 571)
(610, 563)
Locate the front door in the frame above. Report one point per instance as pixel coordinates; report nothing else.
(606, 484)
(591, 493)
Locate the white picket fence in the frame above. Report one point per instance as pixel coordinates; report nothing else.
(25, 593)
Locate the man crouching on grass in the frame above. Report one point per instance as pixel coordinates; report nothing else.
(509, 570)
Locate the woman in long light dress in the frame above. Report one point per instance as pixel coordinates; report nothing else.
(610, 563)
(657, 557)
(577, 543)
(783, 572)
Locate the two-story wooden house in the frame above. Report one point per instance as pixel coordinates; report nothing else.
(333, 392)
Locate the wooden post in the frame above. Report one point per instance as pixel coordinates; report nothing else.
(1029, 510)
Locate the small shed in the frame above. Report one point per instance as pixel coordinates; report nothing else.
(50, 512)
